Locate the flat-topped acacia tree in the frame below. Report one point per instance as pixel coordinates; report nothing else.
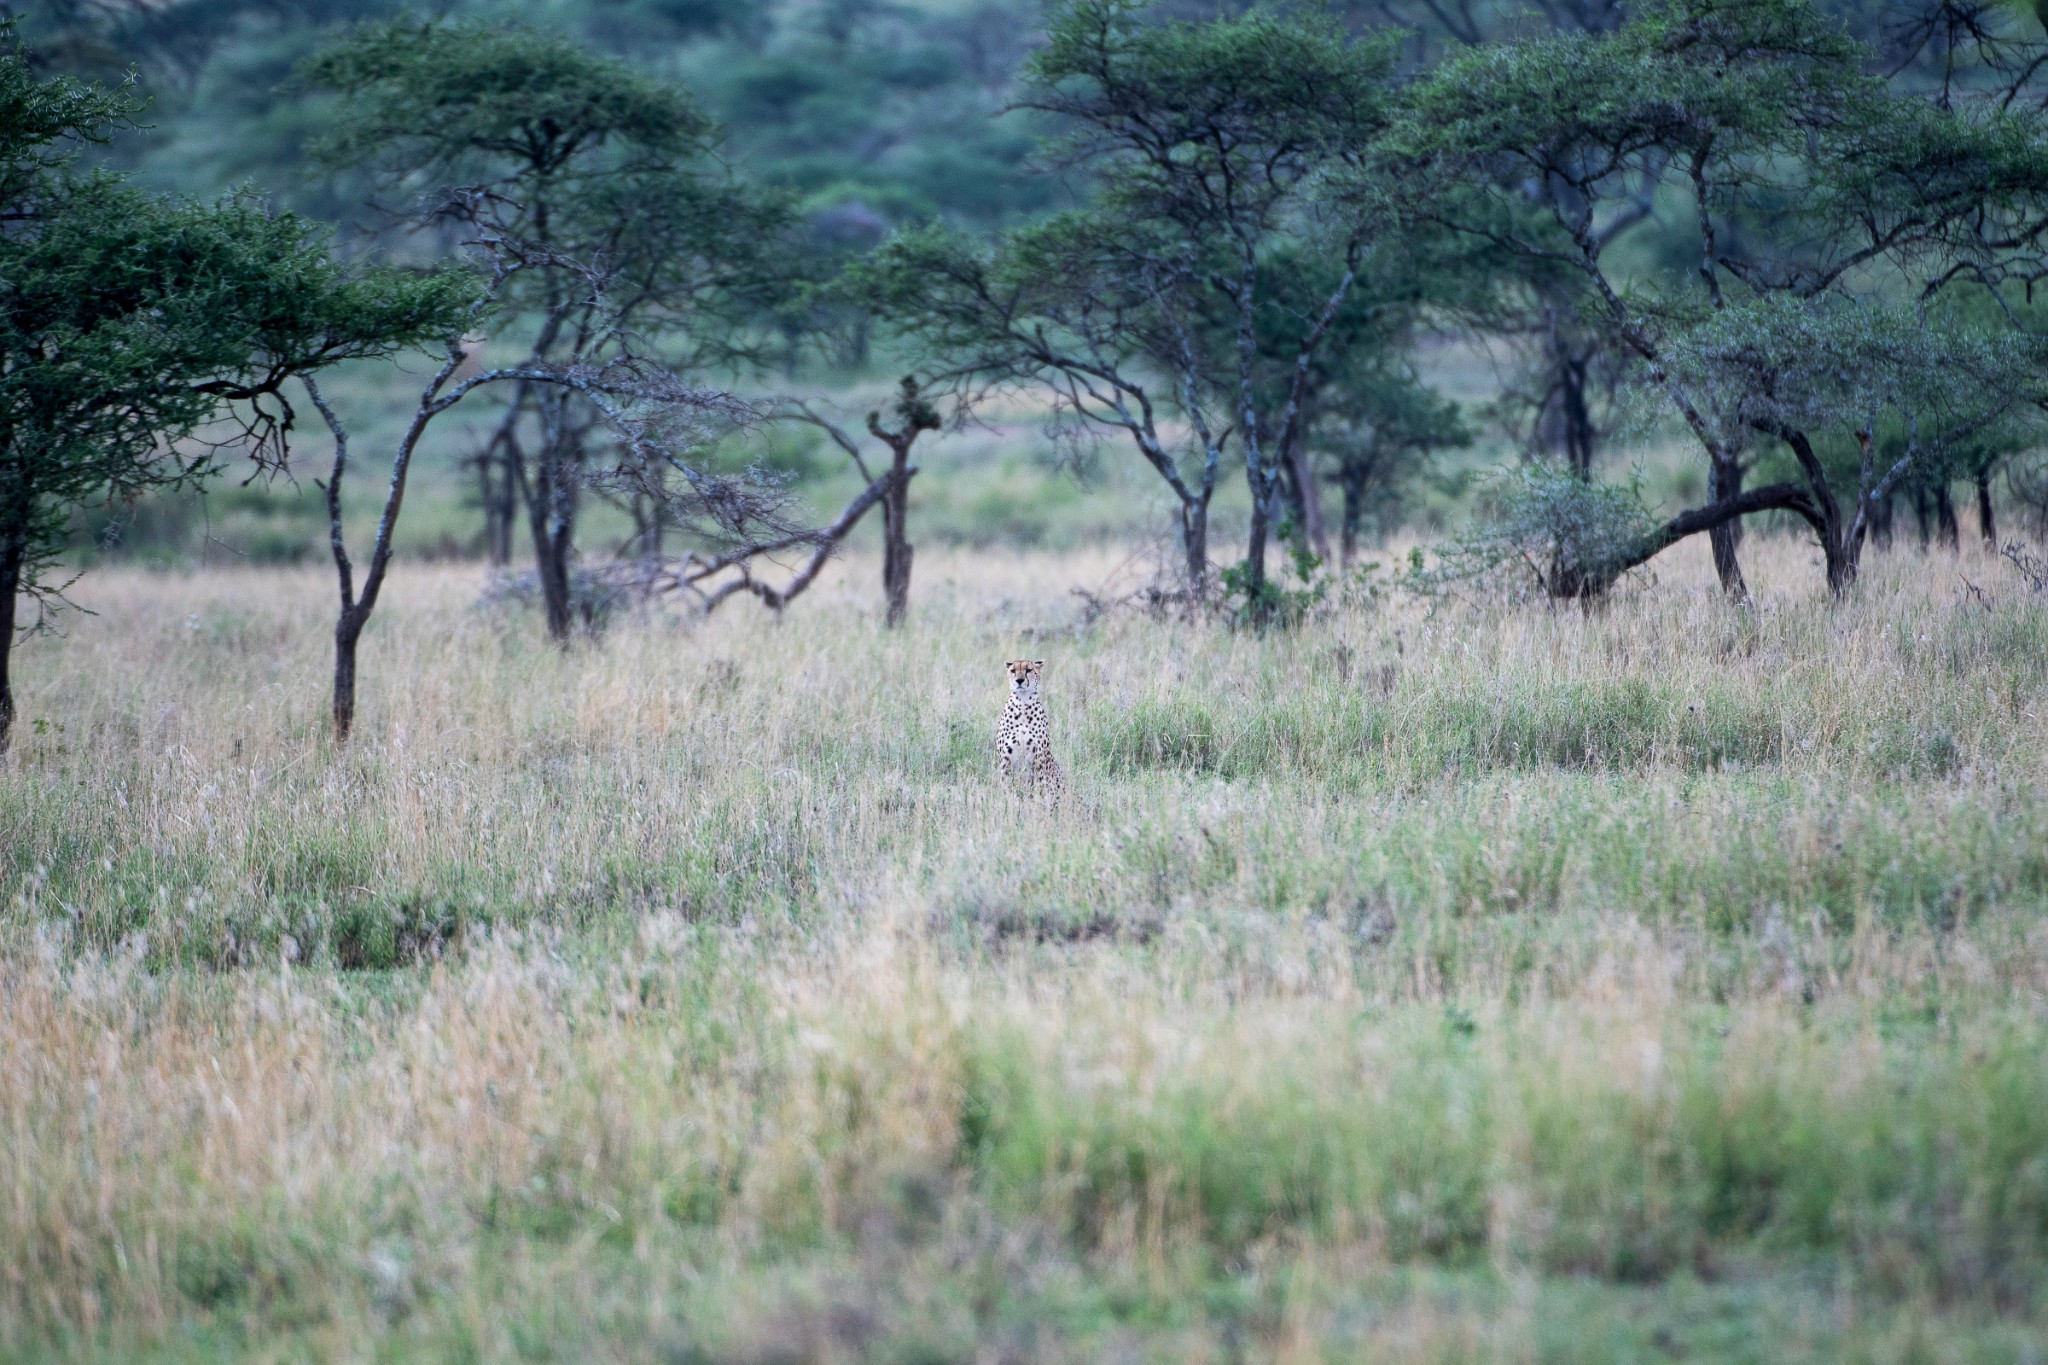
(580, 159)
(1225, 143)
(131, 325)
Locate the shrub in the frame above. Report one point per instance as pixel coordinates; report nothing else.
(1569, 536)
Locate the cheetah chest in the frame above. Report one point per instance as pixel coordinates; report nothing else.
(1024, 740)
(1024, 731)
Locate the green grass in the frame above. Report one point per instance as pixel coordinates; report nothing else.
(1486, 984)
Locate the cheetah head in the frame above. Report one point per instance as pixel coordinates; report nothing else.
(1024, 677)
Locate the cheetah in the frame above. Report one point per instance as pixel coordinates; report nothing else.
(1024, 736)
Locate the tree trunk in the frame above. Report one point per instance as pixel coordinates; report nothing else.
(501, 471)
(1945, 517)
(348, 631)
(1724, 480)
(486, 499)
(1302, 466)
(1194, 542)
(1881, 512)
(1354, 514)
(1255, 556)
(11, 560)
(896, 547)
(855, 354)
(1841, 539)
(1594, 580)
(497, 491)
(1578, 417)
(1290, 490)
(551, 564)
(1987, 519)
(550, 514)
(918, 417)
(355, 609)
(1841, 558)
(1260, 478)
(503, 508)
(1357, 475)
(1267, 506)
(1921, 513)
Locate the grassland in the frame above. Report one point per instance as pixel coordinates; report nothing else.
(1476, 984)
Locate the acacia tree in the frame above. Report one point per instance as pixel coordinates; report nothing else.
(1231, 161)
(129, 323)
(1814, 192)
(1571, 364)
(1232, 140)
(1803, 370)
(580, 159)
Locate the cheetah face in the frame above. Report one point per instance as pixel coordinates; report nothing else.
(1024, 677)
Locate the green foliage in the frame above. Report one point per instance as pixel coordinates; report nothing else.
(1539, 525)
(880, 116)
(1819, 196)
(1218, 144)
(685, 18)
(1263, 96)
(597, 163)
(43, 121)
(1230, 159)
(465, 100)
(1256, 599)
(596, 193)
(1781, 363)
(867, 115)
(1237, 165)
(133, 319)
(130, 321)
(1382, 426)
(1741, 72)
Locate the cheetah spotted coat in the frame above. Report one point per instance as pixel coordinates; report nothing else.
(1024, 735)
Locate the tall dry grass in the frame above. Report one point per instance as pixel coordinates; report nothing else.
(1477, 983)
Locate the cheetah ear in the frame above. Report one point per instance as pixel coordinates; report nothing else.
(1038, 663)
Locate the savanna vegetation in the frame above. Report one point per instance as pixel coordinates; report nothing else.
(510, 524)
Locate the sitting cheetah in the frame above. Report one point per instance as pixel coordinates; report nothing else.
(1024, 735)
